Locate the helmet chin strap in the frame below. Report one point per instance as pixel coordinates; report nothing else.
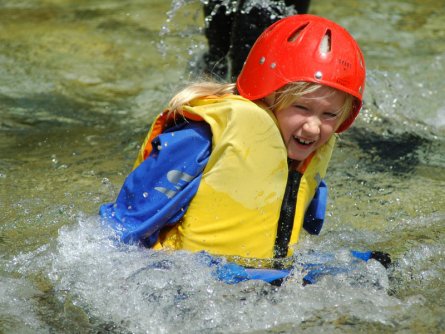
(293, 164)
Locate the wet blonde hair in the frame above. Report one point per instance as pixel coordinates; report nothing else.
(284, 97)
(199, 90)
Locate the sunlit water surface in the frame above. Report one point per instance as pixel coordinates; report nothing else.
(80, 82)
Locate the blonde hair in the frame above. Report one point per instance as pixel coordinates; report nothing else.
(284, 97)
(199, 90)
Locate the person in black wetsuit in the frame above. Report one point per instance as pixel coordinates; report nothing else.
(232, 28)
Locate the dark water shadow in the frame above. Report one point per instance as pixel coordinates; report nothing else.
(54, 109)
(396, 153)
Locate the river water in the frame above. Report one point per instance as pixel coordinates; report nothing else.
(79, 84)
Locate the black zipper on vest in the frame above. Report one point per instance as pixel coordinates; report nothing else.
(287, 215)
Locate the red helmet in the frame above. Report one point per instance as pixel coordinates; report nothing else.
(304, 48)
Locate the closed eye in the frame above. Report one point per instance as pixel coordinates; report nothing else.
(301, 107)
(330, 115)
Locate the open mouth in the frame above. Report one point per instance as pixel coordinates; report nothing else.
(303, 141)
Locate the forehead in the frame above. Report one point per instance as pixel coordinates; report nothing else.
(324, 95)
(324, 92)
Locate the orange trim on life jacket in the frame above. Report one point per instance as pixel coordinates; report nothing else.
(163, 121)
(302, 168)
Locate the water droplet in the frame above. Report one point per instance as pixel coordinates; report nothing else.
(164, 30)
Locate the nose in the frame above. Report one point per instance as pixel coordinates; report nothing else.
(311, 127)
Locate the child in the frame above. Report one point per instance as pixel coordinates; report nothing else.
(232, 170)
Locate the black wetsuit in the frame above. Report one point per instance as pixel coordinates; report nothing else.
(231, 32)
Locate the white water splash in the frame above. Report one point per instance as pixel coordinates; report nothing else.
(145, 291)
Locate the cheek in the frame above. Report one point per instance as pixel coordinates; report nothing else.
(287, 124)
(327, 130)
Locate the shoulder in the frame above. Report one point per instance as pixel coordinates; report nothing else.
(228, 108)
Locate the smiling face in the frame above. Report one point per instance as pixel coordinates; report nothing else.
(310, 121)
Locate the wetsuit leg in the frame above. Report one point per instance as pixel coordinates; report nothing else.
(300, 6)
(232, 33)
(250, 20)
(218, 29)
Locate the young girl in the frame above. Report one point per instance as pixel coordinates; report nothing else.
(236, 170)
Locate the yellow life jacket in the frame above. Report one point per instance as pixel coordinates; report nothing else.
(236, 209)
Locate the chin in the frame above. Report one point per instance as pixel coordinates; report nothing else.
(297, 157)
(300, 153)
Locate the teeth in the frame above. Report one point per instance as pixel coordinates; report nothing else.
(304, 142)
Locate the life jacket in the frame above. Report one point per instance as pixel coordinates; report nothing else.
(236, 209)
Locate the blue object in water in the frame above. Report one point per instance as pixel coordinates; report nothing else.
(314, 218)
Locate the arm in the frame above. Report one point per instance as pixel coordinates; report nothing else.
(157, 193)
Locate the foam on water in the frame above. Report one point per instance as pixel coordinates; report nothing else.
(15, 294)
(141, 290)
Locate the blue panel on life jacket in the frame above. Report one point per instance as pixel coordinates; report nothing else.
(322, 270)
(267, 275)
(317, 270)
(314, 217)
(232, 273)
(158, 192)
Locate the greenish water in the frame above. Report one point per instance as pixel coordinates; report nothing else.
(80, 82)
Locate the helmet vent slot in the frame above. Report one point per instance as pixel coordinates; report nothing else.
(325, 45)
(293, 37)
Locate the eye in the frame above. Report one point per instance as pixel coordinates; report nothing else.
(301, 107)
(330, 115)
